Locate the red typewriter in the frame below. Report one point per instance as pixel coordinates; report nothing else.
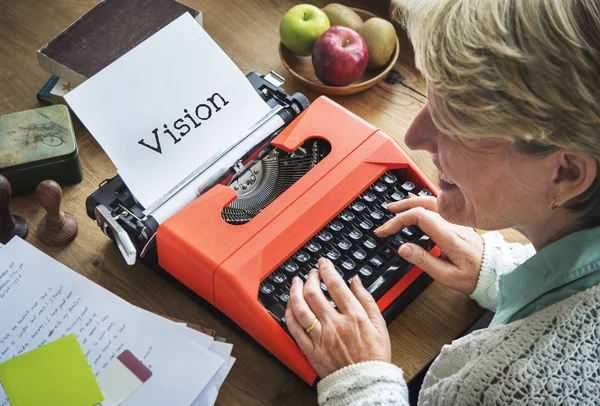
(317, 189)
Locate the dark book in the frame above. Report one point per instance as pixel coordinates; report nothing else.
(105, 33)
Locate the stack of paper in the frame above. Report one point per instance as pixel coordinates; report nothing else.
(48, 301)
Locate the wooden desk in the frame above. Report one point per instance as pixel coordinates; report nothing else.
(248, 32)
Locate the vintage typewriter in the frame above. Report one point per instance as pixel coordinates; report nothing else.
(315, 187)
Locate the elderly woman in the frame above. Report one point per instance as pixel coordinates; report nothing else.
(513, 124)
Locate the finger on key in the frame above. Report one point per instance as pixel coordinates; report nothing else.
(426, 202)
(315, 298)
(368, 303)
(337, 288)
(305, 343)
(297, 303)
(429, 222)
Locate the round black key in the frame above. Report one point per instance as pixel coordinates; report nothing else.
(359, 254)
(347, 216)
(376, 261)
(408, 186)
(370, 243)
(302, 256)
(377, 215)
(336, 226)
(323, 287)
(344, 244)
(366, 224)
(333, 254)
(365, 271)
(369, 197)
(397, 241)
(290, 267)
(313, 246)
(389, 178)
(355, 234)
(388, 252)
(348, 264)
(379, 187)
(278, 278)
(284, 297)
(386, 203)
(266, 288)
(397, 196)
(425, 192)
(408, 232)
(325, 236)
(358, 206)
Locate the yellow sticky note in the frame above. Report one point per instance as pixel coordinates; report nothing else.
(55, 374)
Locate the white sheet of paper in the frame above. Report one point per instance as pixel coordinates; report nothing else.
(179, 94)
(41, 300)
(209, 394)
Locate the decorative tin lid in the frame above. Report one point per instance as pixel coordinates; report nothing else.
(43, 134)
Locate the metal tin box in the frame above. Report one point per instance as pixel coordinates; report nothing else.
(36, 145)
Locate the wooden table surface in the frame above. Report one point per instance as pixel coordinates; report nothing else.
(248, 32)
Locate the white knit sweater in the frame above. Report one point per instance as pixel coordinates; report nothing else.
(550, 357)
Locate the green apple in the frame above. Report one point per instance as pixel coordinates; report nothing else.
(301, 26)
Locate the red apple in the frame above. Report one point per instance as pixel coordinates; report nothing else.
(340, 56)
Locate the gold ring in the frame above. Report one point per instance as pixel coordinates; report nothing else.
(312, 326)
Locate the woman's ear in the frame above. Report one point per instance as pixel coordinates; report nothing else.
(574, 174)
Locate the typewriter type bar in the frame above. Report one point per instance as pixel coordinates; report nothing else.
(233, 264)
(123, 219)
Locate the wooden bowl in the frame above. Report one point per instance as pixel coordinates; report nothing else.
(301, 68)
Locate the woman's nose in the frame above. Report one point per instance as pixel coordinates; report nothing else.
(421, 135)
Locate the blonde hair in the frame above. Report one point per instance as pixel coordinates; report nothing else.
(524, 70)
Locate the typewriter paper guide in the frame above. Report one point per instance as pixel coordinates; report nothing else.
(167, 106)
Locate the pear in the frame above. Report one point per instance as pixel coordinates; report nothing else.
(380, 36)
(341, 15)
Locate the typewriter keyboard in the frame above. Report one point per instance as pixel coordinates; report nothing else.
(349, 242)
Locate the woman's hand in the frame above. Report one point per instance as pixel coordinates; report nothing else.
(355, 332)
(462, 248)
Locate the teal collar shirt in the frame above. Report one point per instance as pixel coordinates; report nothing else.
(563, 268)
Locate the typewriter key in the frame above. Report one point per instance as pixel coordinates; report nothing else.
(408, 187)
(302, 256)
(360, 254)
(266, 288)
(388, 252)
(355, 234)
(397, 196)
(369, 197)
(344, 244)
(333, 254)
(389, 178)
(325, 236)
(425, 192)
(348, 264)
(291, 267)
(336, 226)
(377, 215)
(379, 187)
(365, 271)
(313, 246)
(376, 261)
(347, 216)
(358, 206)
(370, 243)
(366, 224)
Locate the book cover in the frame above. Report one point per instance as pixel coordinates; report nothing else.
(105, 33)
